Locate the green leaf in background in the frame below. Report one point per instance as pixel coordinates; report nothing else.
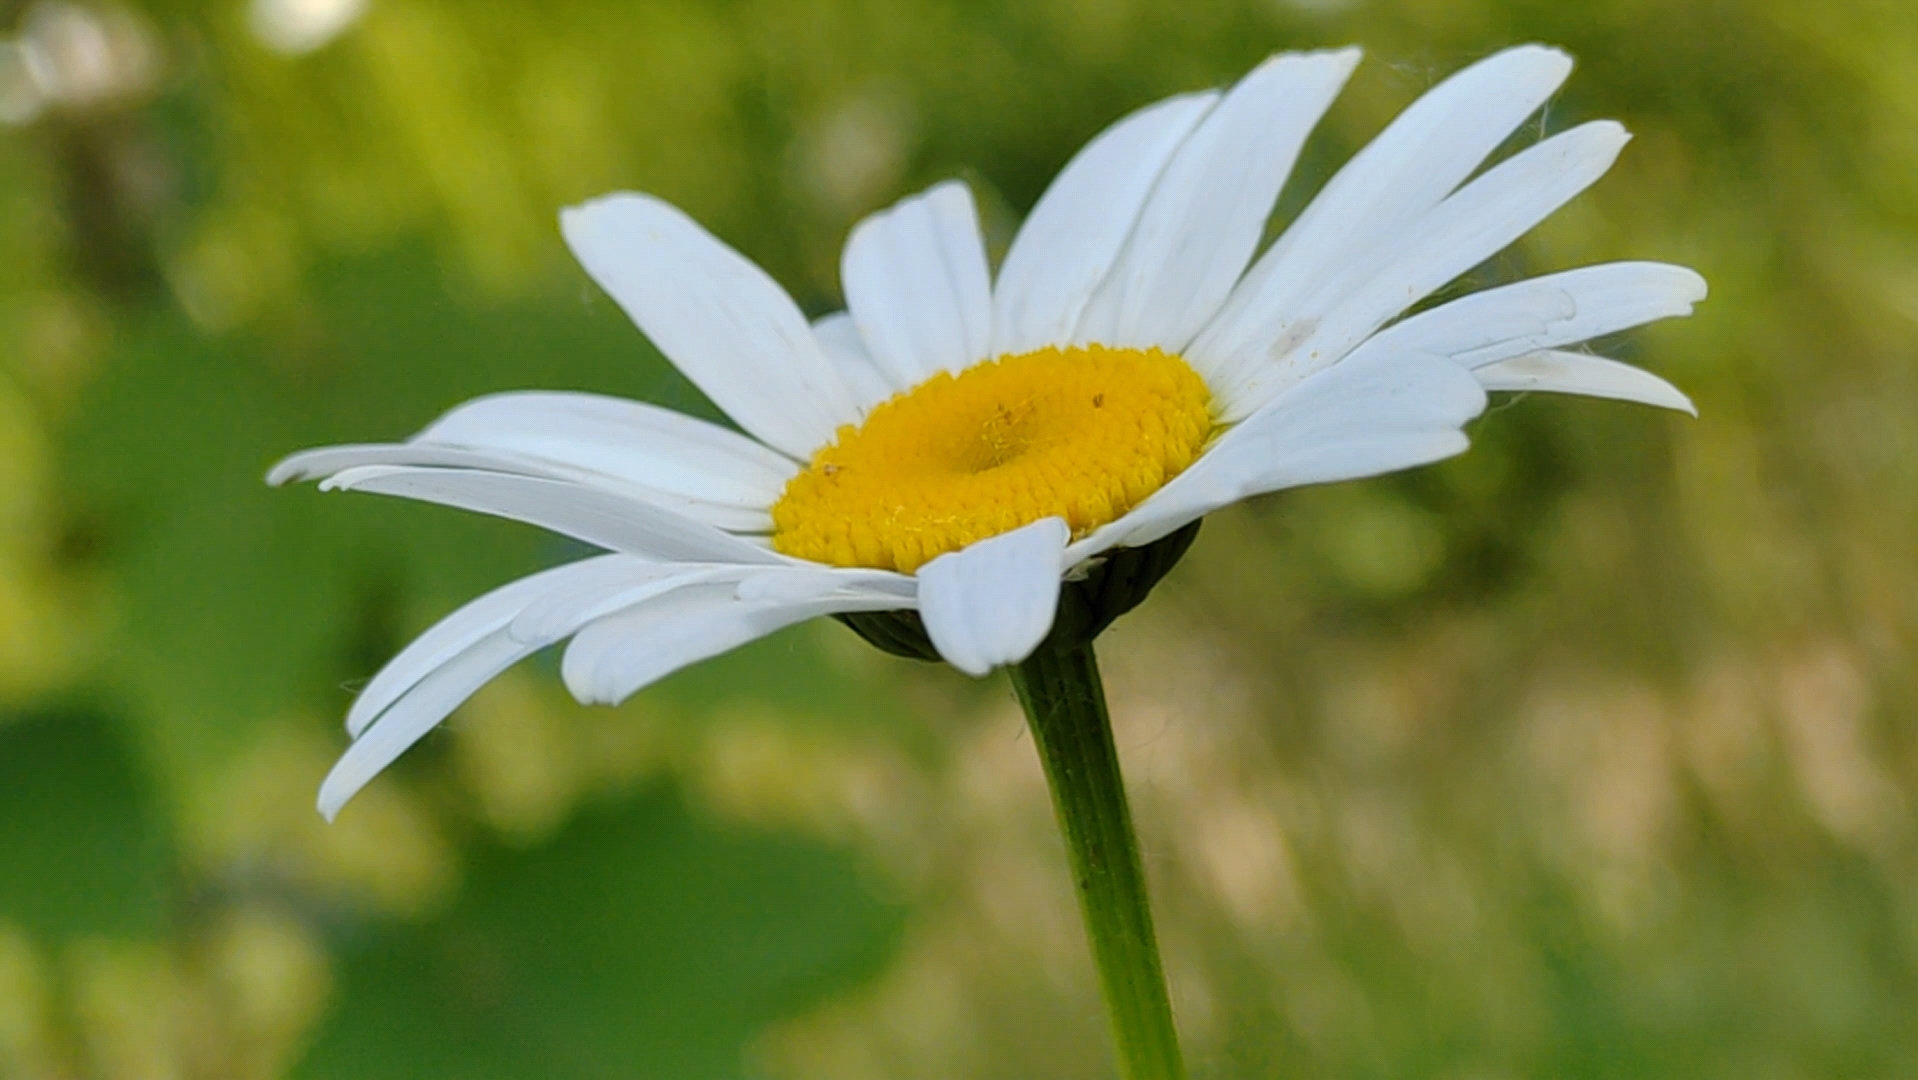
(641, 941)
(83, 850)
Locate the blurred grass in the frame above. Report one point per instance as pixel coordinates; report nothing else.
(1588, 754)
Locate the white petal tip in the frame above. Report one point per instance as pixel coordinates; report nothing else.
(1674, 399)
(333, 797)
(602, 695)
(1343, 60)
(1671, 399)
(972, 668)
(301, 465)
(991, 604)
(584, 683)
(1337, 64)
(597, 203)
(587, 222)
(1694, 288)
(1585, 375)
(1347, 58)
(572, 217)
(1547, 59)
(947, 190)
(1611, 132)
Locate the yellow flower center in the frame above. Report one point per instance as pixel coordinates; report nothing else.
(1083, 433)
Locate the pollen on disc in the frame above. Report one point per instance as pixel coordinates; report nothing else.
(1083, 433)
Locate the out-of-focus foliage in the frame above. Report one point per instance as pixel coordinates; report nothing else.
(1591, 753)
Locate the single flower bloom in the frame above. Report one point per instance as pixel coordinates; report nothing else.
(958, 446)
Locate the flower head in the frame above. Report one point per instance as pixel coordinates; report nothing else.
(956, 444)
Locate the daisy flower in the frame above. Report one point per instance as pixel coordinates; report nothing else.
(958, 445)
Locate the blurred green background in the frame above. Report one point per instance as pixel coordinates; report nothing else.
(1589, 754)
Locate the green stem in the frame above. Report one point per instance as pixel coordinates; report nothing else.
(1066, 707)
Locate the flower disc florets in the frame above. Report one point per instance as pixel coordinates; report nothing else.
(1083, 433)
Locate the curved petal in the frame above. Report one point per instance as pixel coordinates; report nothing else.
(417, 712)
(992, 603)
(441, 669)
(732, 330)
(322, 462)
(1370, 415)
(1207, 212)
(1580, 373)
(612, 658)
(1547, 312)
(917, 285)
(839, 336)
(1510, 313)
(330, 461)
(1075, 231)
(573, 604)
(1355, 221)
(1463, 231)
(465, 628)
(656, 447)
(593, 515)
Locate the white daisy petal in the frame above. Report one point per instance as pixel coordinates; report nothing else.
(1419, 159)
(463, 629)
(417, 712)
(688, 465)
(731, 329)
(322, 462)
(917, 285)
(1207, 213)
(614, 657)
(1463, 231)
(839, 336)
(594, 515)
(992, 603)
(329, 461)
(1075, 231)
(1518, 312)
(444, 667)
(1580, 373)
(1373, 414)
(795, 584)
(562, 610)
(656, 447)
(1608, 298)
